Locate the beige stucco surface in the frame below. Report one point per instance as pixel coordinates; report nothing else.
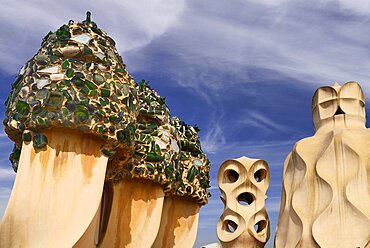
(244, 222)
(56, 193)
(326, 182)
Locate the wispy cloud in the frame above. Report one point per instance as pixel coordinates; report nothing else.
(213, 140)
(132, 25)
(273, 151)
(356, 7)
(312, 42)
(259, 120)
(7, 174)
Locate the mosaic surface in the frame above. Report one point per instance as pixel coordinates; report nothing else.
(78, 80)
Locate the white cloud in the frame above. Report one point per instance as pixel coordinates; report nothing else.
(259, 120)
(273, 151)
(131, 23)
(7, 174)
(359, 6)
(298, 41)
(270, 3)
(213, 140)
(351, 6)
(314, 42)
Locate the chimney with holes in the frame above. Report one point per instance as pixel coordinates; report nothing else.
(243, 183)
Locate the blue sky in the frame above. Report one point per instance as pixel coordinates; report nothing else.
(244, 71)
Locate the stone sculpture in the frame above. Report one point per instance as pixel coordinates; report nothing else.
(325, 198)
(81, 126)
(243, 183)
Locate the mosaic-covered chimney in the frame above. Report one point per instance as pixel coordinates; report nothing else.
(74, 103)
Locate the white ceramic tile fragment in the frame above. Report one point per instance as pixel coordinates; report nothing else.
(100, 55)
(82, 38)
(52, 69)
(42, 82)
(57, 77)
(174, 145)
(165, 135)
(197, 162)
(161, 144)
(23, 69)
(24, 91)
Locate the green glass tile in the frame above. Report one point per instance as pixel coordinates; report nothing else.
(103, 101)
(47, 36)
(168, 171)
(53, 58)
(78, 82)
(63, 33)
(65, 65)
(150, 167)
(87, 50)
(120, 70)
(65, 111)
(91, 85)
(27, 136)
(105, 92)
(69, 73)
(82, 114)
(153, 157)
(84, 90)
(67, 95)
(108, 152)
(22, 107)
(93, 93)
(191, 174)
(114, 119)
(183, 157)
(40, 141)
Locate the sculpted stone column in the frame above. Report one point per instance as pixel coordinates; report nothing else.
(325, 197)
(243, 183)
